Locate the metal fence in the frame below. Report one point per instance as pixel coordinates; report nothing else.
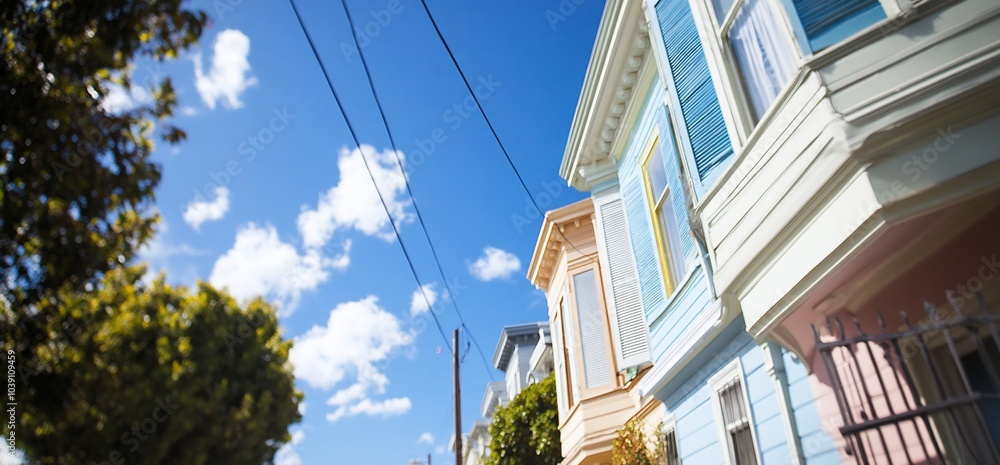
(923, 393)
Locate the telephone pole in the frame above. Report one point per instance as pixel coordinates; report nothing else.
(458, 407)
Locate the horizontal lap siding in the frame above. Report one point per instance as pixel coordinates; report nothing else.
(691, 404)
(666, 332)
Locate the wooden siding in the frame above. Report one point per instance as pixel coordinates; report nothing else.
(688, 398)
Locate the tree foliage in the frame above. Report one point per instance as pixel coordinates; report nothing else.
(156, 375)
(526, 431)
(631, 447)
(77, 177)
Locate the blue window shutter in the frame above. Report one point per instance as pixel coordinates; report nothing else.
(641, 235)
(827, 22)
(699, 105)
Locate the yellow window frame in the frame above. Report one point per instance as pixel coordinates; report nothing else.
(653, 204)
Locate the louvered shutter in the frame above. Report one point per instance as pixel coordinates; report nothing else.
(826, 22)
(699, 105)
(596, 362)
(640, 232)
(629, 334)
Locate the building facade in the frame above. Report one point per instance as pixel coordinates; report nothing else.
(772, 181)
(524, 355)
(594, 387)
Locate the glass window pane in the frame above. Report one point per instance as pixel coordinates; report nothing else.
(656, 172)
(764, 54)
(667, 217)
(721, 9)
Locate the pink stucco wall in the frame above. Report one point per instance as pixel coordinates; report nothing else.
(964, 264)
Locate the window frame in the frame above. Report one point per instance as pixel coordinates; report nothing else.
(737, 98)
(669, 426)
(722, 380)
(673, 266)
(584, 391)
(574, 362)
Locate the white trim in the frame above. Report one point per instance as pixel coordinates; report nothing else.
(669, 423)
(606, 197)
(774, 363)
(707, 326)
(718, 381)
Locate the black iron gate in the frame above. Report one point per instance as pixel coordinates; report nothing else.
(926, 393)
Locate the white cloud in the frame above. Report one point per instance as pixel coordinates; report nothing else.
(119, 99)
(259, 263)
(200, 210)
(189, 111)
(494, 264)
(229, 75)
(7, 459)
(287, 455)
(354, 202)
(423, 299)
(357, 336)
(383, 408)
(426, 438)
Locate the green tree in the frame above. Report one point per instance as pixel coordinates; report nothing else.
(526, 431)
(156, 374)
(77, 177)
(631, 447)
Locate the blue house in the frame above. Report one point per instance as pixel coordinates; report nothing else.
(676, 90)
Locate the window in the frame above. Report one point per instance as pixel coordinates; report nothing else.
(597, 368)
(671, 454)
(761, 48)
(564, 359)
(737, 424)
(732, 413)
(661, 208)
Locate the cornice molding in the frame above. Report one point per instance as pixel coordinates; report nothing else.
(621, 49)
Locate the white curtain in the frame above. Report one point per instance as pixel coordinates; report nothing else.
(763, 50)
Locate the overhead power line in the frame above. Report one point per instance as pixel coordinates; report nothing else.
(357, 142)
(420, 218)
(493, 130)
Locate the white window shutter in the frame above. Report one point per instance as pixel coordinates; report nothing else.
(629, 333)
(596, 360)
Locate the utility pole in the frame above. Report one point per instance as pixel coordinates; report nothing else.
(428, 459)
(458, 407)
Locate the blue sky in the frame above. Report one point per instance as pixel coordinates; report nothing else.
(268, 195)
